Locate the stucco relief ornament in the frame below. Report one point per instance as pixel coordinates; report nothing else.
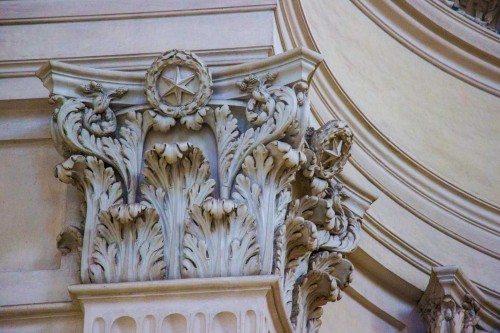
(486, 13)
(444, 315)
(154, 211)
(178, 85)
(448, 307)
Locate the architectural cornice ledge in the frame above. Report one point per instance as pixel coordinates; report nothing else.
(190, 173)
(190, 305)
(53, 11)
(440, 36)
(65, 79)
(452, 303)
(43, 310)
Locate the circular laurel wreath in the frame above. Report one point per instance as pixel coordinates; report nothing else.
(182, 59)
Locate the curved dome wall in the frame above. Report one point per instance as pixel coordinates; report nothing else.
(443, 123)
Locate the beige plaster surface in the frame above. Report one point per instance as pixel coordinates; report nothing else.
(442, 249)
(67, 323)
(126, 36)
(33, 206)
(339, 316)
(445, 124)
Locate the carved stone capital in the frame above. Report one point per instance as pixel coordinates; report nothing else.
(452, 304)
(248, 190)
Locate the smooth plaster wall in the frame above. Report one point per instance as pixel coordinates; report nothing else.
(24, 231)
(445, 124)
(338, 317)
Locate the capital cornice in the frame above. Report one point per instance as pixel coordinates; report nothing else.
(65, 79)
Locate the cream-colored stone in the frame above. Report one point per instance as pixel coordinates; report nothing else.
(440, 121)
(161, 33)
(369, 318)
(244, 304)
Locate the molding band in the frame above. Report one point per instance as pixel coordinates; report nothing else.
(459, 55)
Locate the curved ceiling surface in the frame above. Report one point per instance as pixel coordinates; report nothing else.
(447, 125)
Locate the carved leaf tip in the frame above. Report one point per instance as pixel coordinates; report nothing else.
(133, 230)
(69, 240)
(221, 234)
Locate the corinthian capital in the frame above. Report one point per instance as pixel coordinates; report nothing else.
(452, 304)
(185, 177)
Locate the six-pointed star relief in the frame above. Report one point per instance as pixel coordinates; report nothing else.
(177, 85)
(335, 151)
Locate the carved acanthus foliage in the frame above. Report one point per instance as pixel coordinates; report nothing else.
(484, 12)
(443, 315)
(101, 191)
(152, 210)
(220, 241)
(447, 306)
(328, 273)
(274, 127)
(264, 185)
(176, 177)
(129, 245)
